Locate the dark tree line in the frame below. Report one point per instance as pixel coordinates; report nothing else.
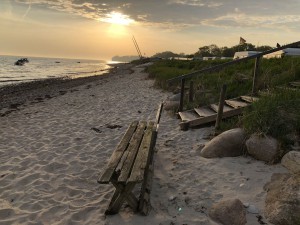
(213, 50)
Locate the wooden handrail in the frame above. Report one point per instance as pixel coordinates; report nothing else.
(220, 66)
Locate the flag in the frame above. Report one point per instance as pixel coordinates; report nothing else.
(242, 41)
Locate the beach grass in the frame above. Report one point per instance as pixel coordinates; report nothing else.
(276, 114)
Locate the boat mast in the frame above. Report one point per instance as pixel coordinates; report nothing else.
(137, 47)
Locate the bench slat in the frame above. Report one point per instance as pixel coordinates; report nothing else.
(143, 156)
(117, 154)
(132, 151)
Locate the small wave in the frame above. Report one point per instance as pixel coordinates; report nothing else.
(11, 77)
(84, 72)
(5, 81)
(14, 80)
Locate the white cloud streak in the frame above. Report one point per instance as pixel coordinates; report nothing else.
(179, 14)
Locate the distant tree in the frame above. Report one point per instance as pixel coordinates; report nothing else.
(190, 56)
(208, 51)
(215, 50)
(166, 54)
(227, 52)
(204, 51)
(263, 48)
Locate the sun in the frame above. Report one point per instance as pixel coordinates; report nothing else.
(118, 18)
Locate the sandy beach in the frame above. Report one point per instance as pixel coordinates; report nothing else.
(54, 142)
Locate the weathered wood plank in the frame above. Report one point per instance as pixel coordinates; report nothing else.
(188, 115)
(116, 205)
(221, 107)
(215, 107)
(249, 98)
(295, 83)
(144, 199)
(255, 75)
(158, 114)
(236, 103)
(204, 111)
(143, 156)
(132, 152)
(181, 95)
(117, 154)
(208, 119)
(130, 197)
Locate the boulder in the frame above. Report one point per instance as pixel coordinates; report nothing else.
(283, 199)
(229, 212)
(228, 144)
(291, 161)
(175, 97)
(263, 148)
(171, 105)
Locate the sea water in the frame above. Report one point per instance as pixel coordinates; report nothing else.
(44, 68)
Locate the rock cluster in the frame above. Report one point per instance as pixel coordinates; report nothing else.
(233, 143)
(229, 212)
(283, 199)
(282, 206)
(228, 144)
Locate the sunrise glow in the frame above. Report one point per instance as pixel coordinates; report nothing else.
(118, 18)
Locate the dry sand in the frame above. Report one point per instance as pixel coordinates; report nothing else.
(51, 158)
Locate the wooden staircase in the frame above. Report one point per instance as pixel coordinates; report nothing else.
(294, 86)
(208, 114)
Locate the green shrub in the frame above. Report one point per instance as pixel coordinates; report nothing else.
(276, 115)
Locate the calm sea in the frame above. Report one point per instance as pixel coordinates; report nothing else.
(42, 68)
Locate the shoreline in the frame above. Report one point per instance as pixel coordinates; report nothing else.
(15, 95)
(52, 152)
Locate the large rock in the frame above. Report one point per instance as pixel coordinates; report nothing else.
(229, 212)
(291, 161)
(263, 148)
(283, 199)
(175, 97)
(228, 144)
(171, 105)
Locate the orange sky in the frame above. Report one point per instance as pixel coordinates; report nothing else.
(101, 29)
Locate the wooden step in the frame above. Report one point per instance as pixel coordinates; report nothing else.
(290, 88)
(188, 115)
(249, 99)
(212, 118)
(215, 107)
(204, 111)
(295, 83)
(264, 93)
(236, 103)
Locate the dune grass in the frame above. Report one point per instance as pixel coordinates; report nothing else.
(276, 114)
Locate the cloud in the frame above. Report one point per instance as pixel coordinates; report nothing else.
(242, 20)
(199, 3)
(179, 14)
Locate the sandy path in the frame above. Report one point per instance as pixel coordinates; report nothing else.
(51, 158)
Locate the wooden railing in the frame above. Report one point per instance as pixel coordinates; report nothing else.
(257, 58)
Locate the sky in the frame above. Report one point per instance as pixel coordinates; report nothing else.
(100, 29)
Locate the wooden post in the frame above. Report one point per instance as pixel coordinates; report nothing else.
(255, 75)
(191, 92)
(221, 106)
(181, 95)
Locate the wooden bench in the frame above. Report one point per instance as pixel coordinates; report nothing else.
(132, 163)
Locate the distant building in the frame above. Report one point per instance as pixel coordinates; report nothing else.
(284, 52)
(244, 54)
(180, 58)
(210, 58)
(226, 57)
